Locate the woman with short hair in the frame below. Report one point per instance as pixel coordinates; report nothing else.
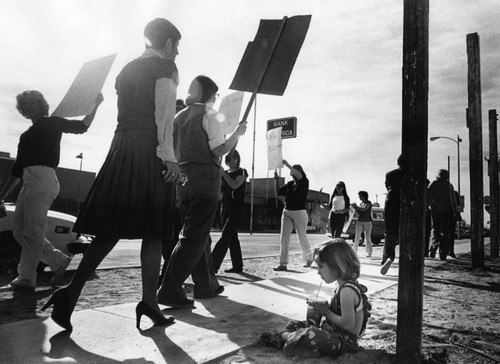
(38, 154)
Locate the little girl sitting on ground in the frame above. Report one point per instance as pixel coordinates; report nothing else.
(340, 322)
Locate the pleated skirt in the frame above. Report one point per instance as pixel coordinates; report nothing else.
(129, 198)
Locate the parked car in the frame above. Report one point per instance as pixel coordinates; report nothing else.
(58, 230)
(378, 227)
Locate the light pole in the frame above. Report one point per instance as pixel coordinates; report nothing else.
(457, 141)
(80, 157)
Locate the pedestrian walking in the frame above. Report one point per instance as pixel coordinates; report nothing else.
(199, 144)
(169, 239)
(443, 205)
(454, 226)
(232, 203)
(391, 214)
(133, 194)
(364, 223)
(38, 154)
(294, 214)
(339, 209)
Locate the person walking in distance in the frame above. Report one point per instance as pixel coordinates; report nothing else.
(443, 204)
(294, 214)
(232, 203)
(339, 209)
(133, 194)
(364, 223)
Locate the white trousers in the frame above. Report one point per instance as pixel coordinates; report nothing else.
(365, 227)
(294, 219)
(40, 188)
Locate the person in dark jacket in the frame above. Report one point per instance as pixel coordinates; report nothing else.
(391, 215)
(442, 201)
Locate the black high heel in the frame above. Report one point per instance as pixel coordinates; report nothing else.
(63, 308)
(159, 319)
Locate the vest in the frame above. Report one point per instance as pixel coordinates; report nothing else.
(191, 139)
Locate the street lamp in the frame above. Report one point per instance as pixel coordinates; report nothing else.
(457, 141)
(80, 157)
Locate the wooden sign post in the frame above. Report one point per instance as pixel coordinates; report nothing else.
(474, 123)
(267, 64)
(494, 186)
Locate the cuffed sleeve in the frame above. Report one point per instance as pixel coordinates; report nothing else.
(165, 96)
(214, 129)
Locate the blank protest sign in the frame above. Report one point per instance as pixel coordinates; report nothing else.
(80, 98)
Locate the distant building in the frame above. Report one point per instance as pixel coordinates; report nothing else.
(267, 209)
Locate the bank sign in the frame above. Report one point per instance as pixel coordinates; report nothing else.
(289, 126)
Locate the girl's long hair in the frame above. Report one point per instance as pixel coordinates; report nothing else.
(340, 257)
(344, 190)
(299, 168)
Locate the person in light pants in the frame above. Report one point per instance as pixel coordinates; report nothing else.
(38, 155)
(294, 219)
(364, 223)
(40, 188)
(294, 215)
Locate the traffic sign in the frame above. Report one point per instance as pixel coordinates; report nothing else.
(289, 126)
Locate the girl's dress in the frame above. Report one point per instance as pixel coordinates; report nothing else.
(129, 198)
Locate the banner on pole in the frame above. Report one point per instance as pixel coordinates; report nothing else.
(274, 149)
(230, 107)
(80, 98)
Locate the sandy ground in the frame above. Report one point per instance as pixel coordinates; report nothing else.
(461, 322)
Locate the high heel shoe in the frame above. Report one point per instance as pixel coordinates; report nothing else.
(63, 308)
(159, 319)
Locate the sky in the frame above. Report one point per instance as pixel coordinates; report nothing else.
(345, 89)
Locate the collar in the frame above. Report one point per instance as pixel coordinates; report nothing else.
(151, 52)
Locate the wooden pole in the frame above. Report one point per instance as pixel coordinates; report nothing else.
(414, 185)
(475, 151)
(494, 186)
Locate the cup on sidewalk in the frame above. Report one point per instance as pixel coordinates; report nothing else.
(312, 317)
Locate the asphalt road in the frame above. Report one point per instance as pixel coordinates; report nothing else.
(127, 252)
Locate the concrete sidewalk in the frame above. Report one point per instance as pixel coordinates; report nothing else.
(214, 328)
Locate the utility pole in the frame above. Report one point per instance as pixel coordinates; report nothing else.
(414, 185)
(494, 186)
(474, 123)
